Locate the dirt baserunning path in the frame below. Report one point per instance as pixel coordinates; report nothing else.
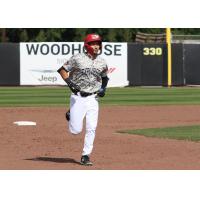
(49, 145)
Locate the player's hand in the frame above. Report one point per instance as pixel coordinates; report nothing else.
(101, 92)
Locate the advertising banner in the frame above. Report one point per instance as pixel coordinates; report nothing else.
(39, 62)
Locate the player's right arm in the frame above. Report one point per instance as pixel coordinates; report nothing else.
(65, 69)
(64, 74)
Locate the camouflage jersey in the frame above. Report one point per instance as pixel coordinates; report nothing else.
(86, 72)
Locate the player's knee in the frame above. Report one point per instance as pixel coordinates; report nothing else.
(90, 130)
(75, 131)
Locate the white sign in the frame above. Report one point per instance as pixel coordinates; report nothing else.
(39, 62)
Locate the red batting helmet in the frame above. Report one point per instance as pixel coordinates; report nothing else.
(92, 38)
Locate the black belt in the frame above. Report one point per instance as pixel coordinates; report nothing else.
(85, 94)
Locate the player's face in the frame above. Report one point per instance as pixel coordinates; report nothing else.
(95, 46)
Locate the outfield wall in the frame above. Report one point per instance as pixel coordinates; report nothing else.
(147, 64)
(129, 63)
(9, 64)
(39, 62)
(191, 63)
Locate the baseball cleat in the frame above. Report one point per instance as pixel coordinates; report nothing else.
(67, 115)
(85, 160)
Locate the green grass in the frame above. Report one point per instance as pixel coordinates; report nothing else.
(153, 96)
(190, 133)
(33, 96)
(59, 96)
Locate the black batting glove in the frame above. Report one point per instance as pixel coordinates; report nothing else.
(101, 92)
(72, 86)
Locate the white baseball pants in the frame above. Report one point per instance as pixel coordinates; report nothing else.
(81, 107)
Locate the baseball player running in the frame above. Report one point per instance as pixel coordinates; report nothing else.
(86, 75)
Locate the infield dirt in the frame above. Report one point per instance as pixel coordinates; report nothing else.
(49, 145)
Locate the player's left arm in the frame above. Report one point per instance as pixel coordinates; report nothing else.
(105, 79)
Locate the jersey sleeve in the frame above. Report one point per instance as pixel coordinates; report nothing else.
(68, 66)
(105, 71)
